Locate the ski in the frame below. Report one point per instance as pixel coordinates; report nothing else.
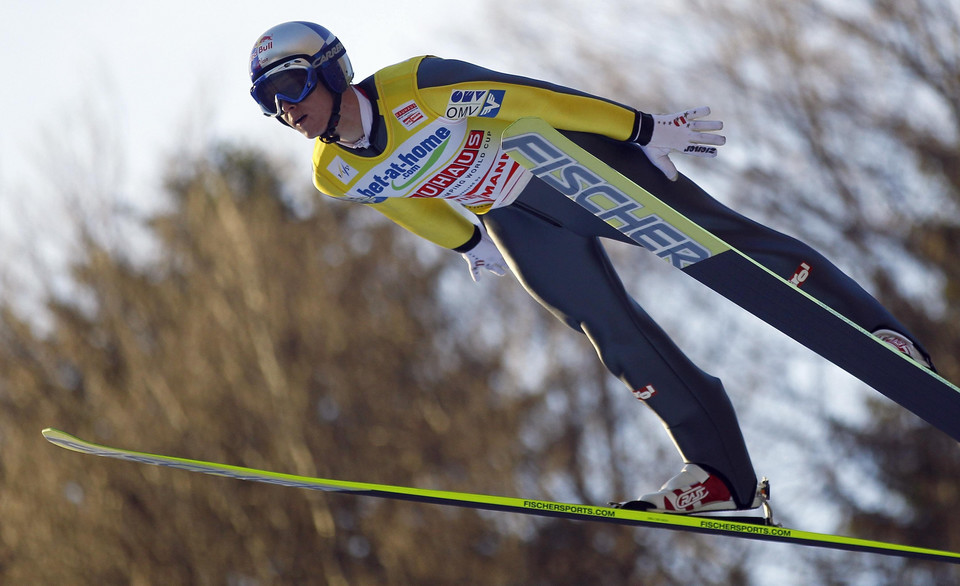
(709, 525)
(641, 216)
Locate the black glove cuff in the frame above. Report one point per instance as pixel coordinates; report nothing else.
(643, 128)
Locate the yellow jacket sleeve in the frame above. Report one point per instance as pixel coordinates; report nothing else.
(561, 107)
(433, 219)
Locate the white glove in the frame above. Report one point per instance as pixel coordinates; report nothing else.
(485, 255)
(682, 133)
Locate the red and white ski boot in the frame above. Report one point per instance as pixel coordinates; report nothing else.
(694, 490)
(904, 345)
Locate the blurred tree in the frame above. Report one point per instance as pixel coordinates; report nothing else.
(324, 343)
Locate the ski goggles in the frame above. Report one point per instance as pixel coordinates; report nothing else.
(291, 82)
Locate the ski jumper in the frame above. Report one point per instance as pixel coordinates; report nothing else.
(435, 138)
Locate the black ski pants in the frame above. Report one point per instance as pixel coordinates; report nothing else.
(553, 246)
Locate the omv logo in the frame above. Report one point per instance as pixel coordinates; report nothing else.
(482, 103)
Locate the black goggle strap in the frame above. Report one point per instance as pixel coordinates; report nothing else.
(330, 134)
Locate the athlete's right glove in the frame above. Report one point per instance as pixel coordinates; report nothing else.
(661, 134)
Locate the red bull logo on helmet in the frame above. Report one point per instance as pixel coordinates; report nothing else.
(263, 45)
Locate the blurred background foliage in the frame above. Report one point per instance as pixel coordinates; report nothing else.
(268, 328)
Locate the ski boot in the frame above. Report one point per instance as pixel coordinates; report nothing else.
(905, 346)
(695, 491)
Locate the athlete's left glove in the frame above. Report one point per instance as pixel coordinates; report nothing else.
(661, 134)
(484, 255)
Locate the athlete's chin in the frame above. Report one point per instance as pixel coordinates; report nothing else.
(309, 130)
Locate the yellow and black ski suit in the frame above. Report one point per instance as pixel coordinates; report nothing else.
(435, 139)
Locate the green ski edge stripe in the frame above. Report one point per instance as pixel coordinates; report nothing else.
(712, 525)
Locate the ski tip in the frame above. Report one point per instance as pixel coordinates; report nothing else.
(62, 439)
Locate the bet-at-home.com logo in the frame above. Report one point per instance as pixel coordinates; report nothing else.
(408, 166)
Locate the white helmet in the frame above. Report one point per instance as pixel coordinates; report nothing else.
(289, 59)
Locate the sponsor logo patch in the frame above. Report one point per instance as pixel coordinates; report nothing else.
(461, 165)
(409, 115)
(645, 393)
(576, 181)
(342, 171)
(692, 496)
(407, 165)
(803, 272)
(482, 103)
(257, 60)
